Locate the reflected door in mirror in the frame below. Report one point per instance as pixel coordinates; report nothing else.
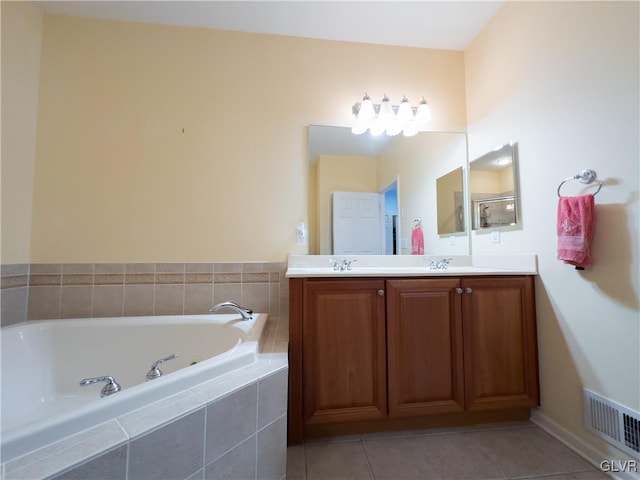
(358, 223)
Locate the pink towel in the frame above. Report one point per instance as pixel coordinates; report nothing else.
(417, 241)
(576, 222)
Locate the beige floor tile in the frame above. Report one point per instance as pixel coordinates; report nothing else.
(399, 459)
(337, 461)
(296, 463)
(516, 454)
(570, 461)
(458, 457)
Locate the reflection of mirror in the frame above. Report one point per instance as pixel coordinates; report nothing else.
(492, 189)
(450, 202)
(403, 170)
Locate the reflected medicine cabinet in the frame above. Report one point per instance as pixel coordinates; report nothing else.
(493, 189)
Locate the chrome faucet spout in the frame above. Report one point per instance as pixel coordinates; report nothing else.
(245, 313)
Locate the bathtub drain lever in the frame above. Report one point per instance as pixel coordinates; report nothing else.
(109, 389)
(155, 372)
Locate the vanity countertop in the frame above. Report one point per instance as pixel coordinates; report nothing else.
(410, 265)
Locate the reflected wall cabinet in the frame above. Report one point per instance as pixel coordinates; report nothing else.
(374, 354)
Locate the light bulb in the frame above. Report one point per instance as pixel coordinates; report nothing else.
(358, 128)
(405, 114)
(423, 114)
(366, 111)
(410, 130)
(377, 127)
(394, 128)
(386, 112)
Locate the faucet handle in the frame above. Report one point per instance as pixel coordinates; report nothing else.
(110, 388)
(155, 372)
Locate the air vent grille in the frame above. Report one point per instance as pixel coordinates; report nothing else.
(617, 424)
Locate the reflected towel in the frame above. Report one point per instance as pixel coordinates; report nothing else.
(417, 241)
(576, 222)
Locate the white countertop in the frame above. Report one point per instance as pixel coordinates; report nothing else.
(410, 265)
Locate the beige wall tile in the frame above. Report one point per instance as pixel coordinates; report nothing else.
(227, 267)
(198, 268)
(14, 269)
(139, 279)
(204, 278)
(138, 300)
(76, 302)
(169, 300)
(262, 277)
(140, 268)
(227, 277)
(108, 279)
(253, 267)
(274, 299)
(44, 303)
(256, 297)
(38, 268)
(109, 268)
(227, 292)
(14, 306)
(77, 279)
(44, 280)
(169, 278)
(170, 267)
(77, 268)
(14, 281)
(108, 301)
(198, 299)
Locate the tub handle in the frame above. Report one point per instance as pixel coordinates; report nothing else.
(155, 372)
(109, 389)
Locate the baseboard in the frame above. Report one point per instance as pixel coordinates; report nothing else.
(579, 446)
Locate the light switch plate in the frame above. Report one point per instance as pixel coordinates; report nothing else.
(495, 235)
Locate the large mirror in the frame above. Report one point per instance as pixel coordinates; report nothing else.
(389, 182)
(493, 189)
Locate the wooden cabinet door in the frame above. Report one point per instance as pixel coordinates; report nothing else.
(424, 338)
(500, 349)
(344, 351)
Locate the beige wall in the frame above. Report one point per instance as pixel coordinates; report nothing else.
(21, 42)
(340, 174)
(561, 79)
(161, 143)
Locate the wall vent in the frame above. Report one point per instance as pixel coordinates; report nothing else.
(617, 424)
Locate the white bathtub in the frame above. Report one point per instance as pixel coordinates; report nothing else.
(43, 363)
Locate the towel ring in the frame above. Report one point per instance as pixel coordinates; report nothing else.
(586, 177)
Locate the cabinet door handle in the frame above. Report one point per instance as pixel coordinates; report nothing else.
(458, 290)
(468, 290)
(381, 293)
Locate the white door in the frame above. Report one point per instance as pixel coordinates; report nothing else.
(358, 223)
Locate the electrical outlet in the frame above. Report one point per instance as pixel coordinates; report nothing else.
(452, 240)
(495, 235)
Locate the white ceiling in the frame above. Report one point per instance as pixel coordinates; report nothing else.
(449, 25)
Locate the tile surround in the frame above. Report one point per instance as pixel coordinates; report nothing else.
(51, 291)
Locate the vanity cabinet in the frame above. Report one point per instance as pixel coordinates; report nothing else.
(424, 345)
(344, 354)
(369, 354)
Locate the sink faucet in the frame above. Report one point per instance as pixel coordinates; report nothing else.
(344, 265)
(441, 264)
(245, 313)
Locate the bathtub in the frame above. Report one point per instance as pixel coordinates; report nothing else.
(43, 363)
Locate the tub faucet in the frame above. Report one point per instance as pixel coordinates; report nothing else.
(109, 389)
(245, 313)
(155, 372)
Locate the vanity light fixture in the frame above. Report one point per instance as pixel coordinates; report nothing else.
(392, 119)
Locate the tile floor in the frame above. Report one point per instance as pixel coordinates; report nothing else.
(499, 451)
